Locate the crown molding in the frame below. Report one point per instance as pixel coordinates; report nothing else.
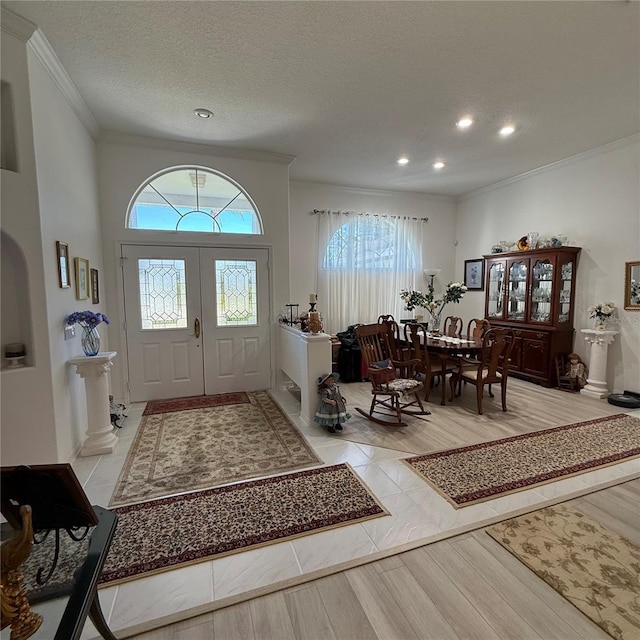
(580, 157)
(16, 25)
(116, 137)
(50, 61)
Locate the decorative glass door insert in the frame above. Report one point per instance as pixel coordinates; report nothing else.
(163, 294)
(236, 293)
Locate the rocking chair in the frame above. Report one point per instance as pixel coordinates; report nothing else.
(395, 389)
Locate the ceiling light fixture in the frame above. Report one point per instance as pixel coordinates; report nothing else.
(507, 130)
(203, 113)
(438, 165)
(403, 161)
(464, 123)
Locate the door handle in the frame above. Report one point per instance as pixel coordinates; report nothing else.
(196, 327)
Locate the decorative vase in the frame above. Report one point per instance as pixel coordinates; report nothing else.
(90, 341)
(601, 324)
(433, 322)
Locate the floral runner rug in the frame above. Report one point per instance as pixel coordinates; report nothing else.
(594, 568)
(201, 448)
(193, 402)
(161, 534)
(479, 472)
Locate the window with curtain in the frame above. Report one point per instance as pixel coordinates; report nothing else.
(364, 261)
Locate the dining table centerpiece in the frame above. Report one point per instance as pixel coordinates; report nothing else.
(433, 306)
(89, 321)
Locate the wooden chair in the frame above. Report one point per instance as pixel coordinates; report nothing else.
(492, 366)
(398, 350)
(452, 327)
(477, 327)
(394, 386)
(432, 372)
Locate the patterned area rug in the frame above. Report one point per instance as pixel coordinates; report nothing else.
(593, 567)
(483, 471)
(225, 520)
(200, 448)
(193, 402)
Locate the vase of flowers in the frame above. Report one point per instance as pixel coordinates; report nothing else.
(602, 314)
(89, 321)
(433, 306)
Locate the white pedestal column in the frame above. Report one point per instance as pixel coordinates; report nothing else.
(596, 386)
(94, 370)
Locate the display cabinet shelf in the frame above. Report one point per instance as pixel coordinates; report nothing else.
(533, 292)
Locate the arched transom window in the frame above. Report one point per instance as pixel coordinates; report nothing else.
(193, 199)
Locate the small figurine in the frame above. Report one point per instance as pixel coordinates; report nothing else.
(577, 371)
(332, 410)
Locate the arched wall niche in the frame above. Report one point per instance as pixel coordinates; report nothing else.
(15, 310)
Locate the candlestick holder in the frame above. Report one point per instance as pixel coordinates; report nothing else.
(312, 306)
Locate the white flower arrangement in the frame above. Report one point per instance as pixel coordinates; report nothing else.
(454, 293)
(601, 312)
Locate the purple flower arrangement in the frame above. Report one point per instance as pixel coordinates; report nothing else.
(87, 319)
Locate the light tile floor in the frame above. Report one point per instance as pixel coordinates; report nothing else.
(417, 513)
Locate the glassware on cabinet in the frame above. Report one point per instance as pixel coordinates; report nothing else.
(496, 277)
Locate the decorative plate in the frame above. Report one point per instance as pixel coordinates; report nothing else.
(523, 243)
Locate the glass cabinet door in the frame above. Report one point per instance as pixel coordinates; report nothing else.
(516, 298)
(566, 292)
(495, 293)
(541, 290)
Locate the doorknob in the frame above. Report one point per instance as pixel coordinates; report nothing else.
(196, 327)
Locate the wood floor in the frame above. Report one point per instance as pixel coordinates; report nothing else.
(463, 587)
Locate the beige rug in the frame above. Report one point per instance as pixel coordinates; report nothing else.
(200, 448)
(593, 567)
(479, 472)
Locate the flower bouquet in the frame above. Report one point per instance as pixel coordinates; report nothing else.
(602, 312)
(89, 322)
(453, 293)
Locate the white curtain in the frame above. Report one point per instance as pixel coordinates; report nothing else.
(364, 261)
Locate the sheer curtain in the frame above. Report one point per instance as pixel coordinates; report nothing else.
(364, 261)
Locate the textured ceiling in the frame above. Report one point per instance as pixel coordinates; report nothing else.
(348, 87)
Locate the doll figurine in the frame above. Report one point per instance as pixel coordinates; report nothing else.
(332, 411)
(576, 371)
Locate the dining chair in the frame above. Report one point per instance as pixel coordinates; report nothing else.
(398, 350)
(431, 370)
(492, 366)
(452, 327)
(476, 327)
(394, 386)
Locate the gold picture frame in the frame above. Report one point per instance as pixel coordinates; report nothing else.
(632, 286)
(64, 272)
(83, 280)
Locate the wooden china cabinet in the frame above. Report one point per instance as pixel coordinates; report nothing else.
(533, 293)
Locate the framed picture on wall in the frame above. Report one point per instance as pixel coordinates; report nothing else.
(95, 291)
(474, 274)
(83, 284)
(64, 273)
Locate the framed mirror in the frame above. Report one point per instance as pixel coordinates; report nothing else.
(632, 286)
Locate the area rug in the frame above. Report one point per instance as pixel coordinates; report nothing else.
(479, 472)
(594, 568)
(201, 448)
(193, 402)
(205, 524)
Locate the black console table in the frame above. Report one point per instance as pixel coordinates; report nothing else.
(81, 591)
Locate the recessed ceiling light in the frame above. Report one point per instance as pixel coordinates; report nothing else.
(507, 130)
(403, 160)
(464, 123)
(203, 113)
(438, 165)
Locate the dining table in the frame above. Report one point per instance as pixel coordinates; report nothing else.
(446, 347)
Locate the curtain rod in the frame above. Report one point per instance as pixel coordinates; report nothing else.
(365, 214)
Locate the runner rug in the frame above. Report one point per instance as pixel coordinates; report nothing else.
(479, 472)
(158, 535)
(594, 568)
(193, 449)
(193, 402)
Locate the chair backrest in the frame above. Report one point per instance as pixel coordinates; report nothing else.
(497, 344)
(453, 326)
(397, 350)
(477, 327)
(374, 342)
(417, 348)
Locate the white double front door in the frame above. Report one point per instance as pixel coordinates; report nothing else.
(197, 320)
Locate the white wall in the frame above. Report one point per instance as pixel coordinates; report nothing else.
(438, 250)
(125, 162)
(593, 199)
(28, 426)
(68, 195)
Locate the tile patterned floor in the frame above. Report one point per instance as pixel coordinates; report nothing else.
(417, 512)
